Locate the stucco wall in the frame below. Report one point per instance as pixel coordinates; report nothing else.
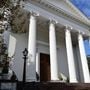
(21, 43)
(42, 47)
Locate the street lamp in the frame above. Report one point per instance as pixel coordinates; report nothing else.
(25, 53)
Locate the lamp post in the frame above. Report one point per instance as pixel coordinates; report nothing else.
(25, 53)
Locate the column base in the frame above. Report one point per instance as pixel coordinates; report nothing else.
(54, 79)
(57, 81)
(87, 81)
(73, 81)
(30, 80)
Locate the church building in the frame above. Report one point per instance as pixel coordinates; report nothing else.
(54, 35)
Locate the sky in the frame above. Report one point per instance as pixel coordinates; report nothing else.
(84, 6)
(87, 47)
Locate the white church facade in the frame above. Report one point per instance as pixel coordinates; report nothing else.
(55, 42)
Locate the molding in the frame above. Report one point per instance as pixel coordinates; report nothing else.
(45, 43)
(65, 13)
(67, 27)
(82, 16)
(34, 14)
(81, 33)
(61, 11)
(53, 22)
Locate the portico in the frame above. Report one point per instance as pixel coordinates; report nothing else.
(68, 30)
(55, 42)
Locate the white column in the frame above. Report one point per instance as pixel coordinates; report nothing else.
(89, 40)
(53, 51)
(31, 68)
(70, 56)
(84, 62)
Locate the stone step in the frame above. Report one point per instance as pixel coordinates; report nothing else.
(54, 86)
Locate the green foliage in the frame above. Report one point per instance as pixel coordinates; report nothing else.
(19, 22)
(4, 63)
(1, 16)
(5, 3)
(5, 68)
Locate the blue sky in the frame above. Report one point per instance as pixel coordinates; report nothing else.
(84, 6)
(87, 47)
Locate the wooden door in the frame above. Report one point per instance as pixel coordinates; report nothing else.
(44, 67)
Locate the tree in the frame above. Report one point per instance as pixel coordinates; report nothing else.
(5, 20)
(14, 18)
(5, 3)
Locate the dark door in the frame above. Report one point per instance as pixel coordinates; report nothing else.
(44, 67)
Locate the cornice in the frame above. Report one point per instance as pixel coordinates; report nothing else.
(63, 12)
(76, 10)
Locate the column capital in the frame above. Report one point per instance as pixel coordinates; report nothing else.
(80, 33)
(53, 21)
(34, 14)
(67, 27)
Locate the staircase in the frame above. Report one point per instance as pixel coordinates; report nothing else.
(53, 86)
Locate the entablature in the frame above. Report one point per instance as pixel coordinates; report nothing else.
(50, 12)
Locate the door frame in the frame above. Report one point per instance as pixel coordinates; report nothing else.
(38, 62)
(46, 60)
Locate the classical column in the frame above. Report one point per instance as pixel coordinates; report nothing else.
(53, 51)
(70, 56)
(31, 68)
(89, 40)
(84, 62)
